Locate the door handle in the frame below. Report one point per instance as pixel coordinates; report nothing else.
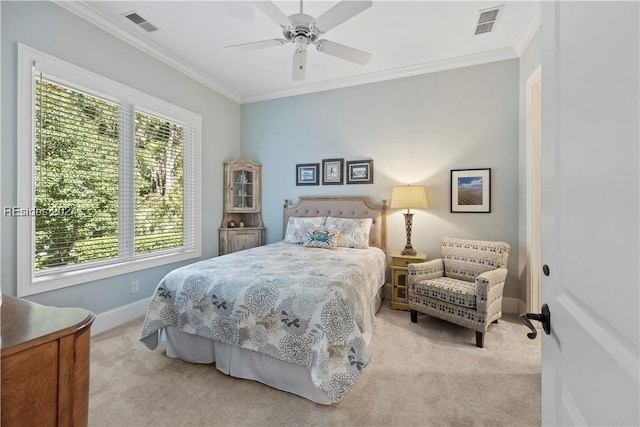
(544, 318)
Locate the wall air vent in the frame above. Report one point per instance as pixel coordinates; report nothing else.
(487, 20)
(140, 21)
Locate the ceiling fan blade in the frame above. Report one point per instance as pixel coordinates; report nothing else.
(299, 64)
(344, 52)
(339, 13)
(273, 12)
(257, 45)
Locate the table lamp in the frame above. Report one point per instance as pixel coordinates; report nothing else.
(408, 197)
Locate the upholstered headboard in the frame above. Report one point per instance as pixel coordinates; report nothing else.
(342, 207)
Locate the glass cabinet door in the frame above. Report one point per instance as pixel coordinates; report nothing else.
(243, 189)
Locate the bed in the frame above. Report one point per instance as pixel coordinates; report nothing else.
(292, 314)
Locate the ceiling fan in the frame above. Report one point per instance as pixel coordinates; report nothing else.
(302, 30)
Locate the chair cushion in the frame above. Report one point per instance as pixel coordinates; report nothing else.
(466, 259)
(454, 291)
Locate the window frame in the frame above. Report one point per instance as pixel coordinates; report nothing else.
(81, 79)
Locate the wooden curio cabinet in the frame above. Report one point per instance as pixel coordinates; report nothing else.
(242, 226)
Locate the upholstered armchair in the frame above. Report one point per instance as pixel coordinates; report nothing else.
(463, 286)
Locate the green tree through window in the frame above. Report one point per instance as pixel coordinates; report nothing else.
(77, 172)
(76, 177)
(159, 185)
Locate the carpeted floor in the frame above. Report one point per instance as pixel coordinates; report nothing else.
(424, 374)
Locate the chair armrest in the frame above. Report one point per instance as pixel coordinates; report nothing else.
(425, 270)
(489, 287)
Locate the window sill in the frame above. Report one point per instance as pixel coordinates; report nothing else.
(49, 282)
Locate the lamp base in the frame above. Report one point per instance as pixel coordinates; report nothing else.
(408, 250)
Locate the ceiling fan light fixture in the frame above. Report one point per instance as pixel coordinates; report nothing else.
(299, 60)
(301, 44)
(299, 64)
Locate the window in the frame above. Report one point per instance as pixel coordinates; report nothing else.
(107, 177)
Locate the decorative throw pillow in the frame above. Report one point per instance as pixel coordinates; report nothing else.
(297, 228)
(321, 238)
(354, 232)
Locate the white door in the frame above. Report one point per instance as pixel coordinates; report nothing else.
(590, 212)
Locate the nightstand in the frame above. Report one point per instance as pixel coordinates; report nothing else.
(400, 279)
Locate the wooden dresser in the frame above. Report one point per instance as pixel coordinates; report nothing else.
(44, 364)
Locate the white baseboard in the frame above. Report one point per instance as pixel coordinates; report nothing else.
(119, 316)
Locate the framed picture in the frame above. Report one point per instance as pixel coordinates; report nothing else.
(471, 190)
(360, 172)
(307, 174)
(332, 171)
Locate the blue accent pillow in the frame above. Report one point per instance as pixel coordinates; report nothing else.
(321, 238)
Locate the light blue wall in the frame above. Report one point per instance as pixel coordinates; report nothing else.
(416, 130)
(53, 30)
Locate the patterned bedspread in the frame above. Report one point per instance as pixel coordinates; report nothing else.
(305, 306)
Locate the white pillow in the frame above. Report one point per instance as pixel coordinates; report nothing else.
(354, 233)
(297, 228)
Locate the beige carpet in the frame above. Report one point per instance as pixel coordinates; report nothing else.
(424, 374)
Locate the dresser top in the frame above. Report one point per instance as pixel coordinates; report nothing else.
(25, 323)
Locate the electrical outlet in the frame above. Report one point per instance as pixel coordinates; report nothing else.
(135, 287)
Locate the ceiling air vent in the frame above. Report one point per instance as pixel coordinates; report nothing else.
(487, 20)
(140, 21)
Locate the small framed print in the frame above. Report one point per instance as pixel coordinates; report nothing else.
(360, 172)
(307, 174)
(471, 190)
(332, 171)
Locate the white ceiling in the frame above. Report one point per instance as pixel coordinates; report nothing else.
(404, 37)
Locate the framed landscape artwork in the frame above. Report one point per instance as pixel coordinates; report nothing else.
(332, 170)
(471, 190)
(360, 172)
(307, 174)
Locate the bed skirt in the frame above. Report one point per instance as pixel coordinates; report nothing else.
(247, 364)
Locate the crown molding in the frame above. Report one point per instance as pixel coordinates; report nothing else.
(528, 30)
(83, 10)
(396, 73)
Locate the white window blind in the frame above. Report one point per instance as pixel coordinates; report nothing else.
(112, 178)
(159, 184)
(76, 177)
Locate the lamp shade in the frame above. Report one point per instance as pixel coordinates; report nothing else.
(408, 197)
